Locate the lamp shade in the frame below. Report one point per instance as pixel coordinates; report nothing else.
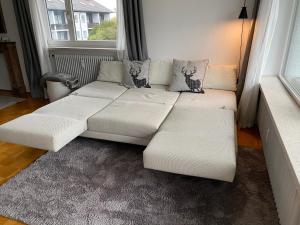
(243, 14)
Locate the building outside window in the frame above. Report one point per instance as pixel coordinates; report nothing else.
(92, 20)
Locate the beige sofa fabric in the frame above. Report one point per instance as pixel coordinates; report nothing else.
(74, 107)
(41, 131)
(156, 94)
(216, 99)
(186, 144)
(223, 77)
(130, 118)
(100, 89)
(111, 71)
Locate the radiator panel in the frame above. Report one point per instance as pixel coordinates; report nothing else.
(83, 67)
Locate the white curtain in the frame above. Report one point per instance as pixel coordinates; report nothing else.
(121, 37)
(38, 12)
(264, 32)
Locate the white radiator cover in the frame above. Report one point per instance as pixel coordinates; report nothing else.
(283, 180)
(83, 67)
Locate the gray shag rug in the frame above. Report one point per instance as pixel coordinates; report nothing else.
(104, 183)
(6, 101)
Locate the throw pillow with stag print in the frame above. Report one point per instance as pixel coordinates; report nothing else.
(136, 74)
(188, 76)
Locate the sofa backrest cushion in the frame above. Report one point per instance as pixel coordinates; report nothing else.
(161, 72)
(222, 77)
(111, 71)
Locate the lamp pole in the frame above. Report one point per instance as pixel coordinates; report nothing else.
(243, 15)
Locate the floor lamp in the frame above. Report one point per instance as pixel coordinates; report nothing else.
(243, 15)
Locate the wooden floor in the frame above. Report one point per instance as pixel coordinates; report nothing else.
(14, 158)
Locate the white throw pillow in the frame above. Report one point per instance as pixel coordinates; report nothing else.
(111, 71)
(221, 77)
(160, 72)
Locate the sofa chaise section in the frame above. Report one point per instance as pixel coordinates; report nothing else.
(42, 131)
(54, 125)
(196, 142)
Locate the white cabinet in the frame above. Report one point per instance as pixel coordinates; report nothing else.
(282, 176)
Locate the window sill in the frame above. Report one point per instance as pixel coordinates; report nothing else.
(82, 44)
(80, 48)
(83, 50)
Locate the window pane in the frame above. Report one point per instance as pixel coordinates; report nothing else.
(58, 20)
(292, 71)
(95, 19)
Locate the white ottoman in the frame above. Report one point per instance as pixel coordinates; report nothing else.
(195, 142)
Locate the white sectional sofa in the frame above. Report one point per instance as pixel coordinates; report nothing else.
(186, 133)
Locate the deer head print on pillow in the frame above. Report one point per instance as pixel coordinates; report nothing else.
(136, 74)
(188, 75)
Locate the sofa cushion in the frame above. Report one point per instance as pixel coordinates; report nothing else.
(155, 94)
(161, 72)
(188, 76)
(186, 144)
(208, 122)
(99, 89)
(192, 155)
(111, 71)
(41, 131)
(217, 99)
(136, 74)
(74, 107)
(130, 118)
(222, 77)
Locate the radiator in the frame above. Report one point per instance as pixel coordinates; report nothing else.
(83, 67)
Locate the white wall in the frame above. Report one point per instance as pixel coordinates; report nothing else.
(277, 51)
(194, 29)
(13, 35)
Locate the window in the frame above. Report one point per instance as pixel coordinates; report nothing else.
(291, 70)
(83, 18)
(78, 34)
(76, 18)
(92, 23)
(85, 35)
(62, 35)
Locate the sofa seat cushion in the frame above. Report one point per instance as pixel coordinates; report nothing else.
(200, 156)
(100, 89)
(46, 132)
(129, 118)
(195, 142)
(74, 107)
(210, 122)
(215, 99)
(155, 94)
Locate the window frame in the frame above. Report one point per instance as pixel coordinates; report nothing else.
(73, 43)
(292, 91)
